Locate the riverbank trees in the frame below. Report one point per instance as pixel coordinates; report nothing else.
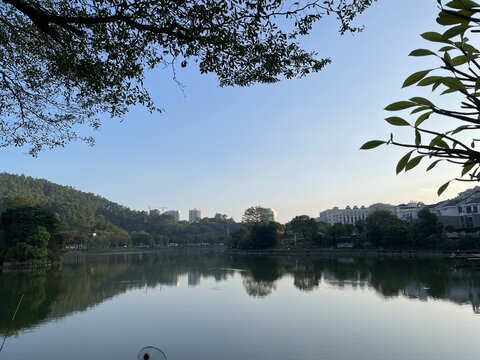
(255, 236)
(29, 234)
(88, 220)
(258, 230)
(380, 230)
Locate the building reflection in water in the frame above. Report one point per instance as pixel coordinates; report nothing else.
(83, 283)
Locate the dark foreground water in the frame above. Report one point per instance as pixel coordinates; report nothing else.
(206, 305)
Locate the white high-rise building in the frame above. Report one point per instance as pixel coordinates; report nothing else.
(272, 214)
(175, 213)
(194, 215)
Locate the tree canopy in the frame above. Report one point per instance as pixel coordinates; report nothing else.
(386, 230)
(256, 214)
(305, 225)
(65, 62)
(29, 234)
(456, 74)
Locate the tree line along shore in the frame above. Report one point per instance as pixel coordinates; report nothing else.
(40, 220)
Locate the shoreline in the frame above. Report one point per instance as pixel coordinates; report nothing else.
(350, 252)
(365, 253)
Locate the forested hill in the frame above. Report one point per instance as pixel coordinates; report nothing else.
(81, 214)
(74, 208)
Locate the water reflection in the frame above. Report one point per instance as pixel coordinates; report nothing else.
(412, 278)
(84, 282)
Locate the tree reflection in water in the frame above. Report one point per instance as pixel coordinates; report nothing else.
(84, 282)
(412, 278)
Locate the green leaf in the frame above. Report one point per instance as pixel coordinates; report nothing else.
(414, 78)
(455, 31)
(422, 101)
(414, 162)
(399, 105)
(419, 109)
(397, 121)
(466, 13)
(462, 4)
(433, 36)
(403, 162)
(445, 18)
(372, 144)
(470, 49)
(429, 80)
(448, 91)
(460, 128)
(460, 60)
(446, 48)
(442, 188)
(438, 141)
(447, 57)
(453, 83)
(432, 165)
(422, 118)
(418, 138)
(422, 52)
(477, 84)
(467, 167)
(437, 84)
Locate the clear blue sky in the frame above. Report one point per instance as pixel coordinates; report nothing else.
(292, 146)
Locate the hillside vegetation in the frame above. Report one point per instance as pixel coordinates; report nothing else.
(86, 219)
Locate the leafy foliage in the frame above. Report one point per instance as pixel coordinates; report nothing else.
(306, 226)
(427, 230)
(80, 215)
(32, 249)
(64, 62)
(457, 75)
(29, 234)
(385, 230)
(256, 236)
(256, 214)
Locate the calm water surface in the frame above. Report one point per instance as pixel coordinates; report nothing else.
(207, 305)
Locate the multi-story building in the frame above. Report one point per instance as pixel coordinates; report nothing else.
(460, 212)
(194, 215)
(175, 213)
(344, 216)
(409, 212)
(272, 214)
(350, 215)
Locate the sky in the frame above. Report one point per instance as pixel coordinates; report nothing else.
(291, 146)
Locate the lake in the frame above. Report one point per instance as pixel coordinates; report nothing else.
(210, 305)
